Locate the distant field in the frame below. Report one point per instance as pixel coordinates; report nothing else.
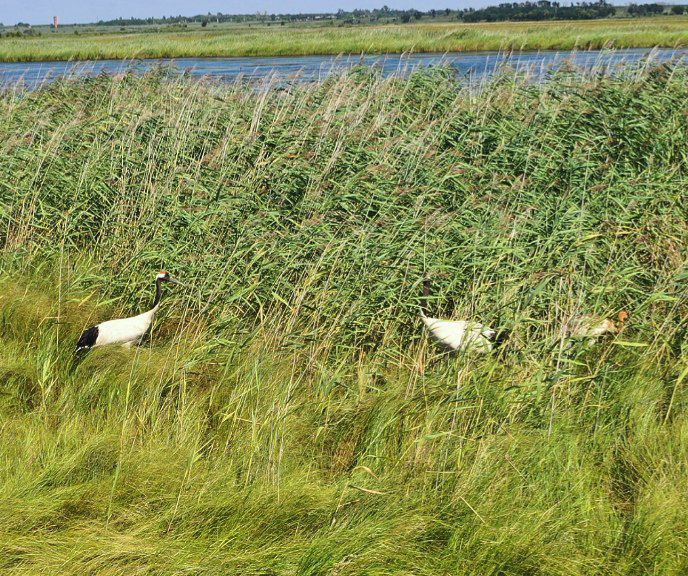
(326, 39)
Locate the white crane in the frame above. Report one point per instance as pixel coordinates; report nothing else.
(461, 335)
(124, 331)
(591, 328)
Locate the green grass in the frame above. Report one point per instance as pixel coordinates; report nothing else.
(670, 31)
(288, 415)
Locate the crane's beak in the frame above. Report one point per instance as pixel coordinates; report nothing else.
(173, 281)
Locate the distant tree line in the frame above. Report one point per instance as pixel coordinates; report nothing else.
(514, 11)
(652, 9)
(540, 10)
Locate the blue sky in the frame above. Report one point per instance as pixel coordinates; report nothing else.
(42, 11)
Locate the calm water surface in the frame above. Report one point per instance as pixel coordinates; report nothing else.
(314, 68)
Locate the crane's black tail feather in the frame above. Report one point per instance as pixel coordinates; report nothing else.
(501, 337)
(87, 339)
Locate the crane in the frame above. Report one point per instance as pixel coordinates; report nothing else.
(124, 331)
(591, 328)
(461, 335)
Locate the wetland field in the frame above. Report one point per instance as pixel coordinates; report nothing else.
(97, 43)
(288, 414)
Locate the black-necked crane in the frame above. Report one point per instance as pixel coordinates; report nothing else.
(591, 328)
(124, 331)
(461, 335)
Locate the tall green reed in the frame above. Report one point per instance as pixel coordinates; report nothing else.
(288, 415)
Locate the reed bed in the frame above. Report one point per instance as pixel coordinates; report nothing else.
(287, 414)
(669, 31)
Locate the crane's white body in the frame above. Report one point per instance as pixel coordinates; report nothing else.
(125, 331)
(590, 327)
(461, 335)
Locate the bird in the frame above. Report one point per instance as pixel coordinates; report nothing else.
(591, 327)
(124, 331)
(462, 335)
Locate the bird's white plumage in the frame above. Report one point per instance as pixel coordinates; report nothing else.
(125, 331)
(461, 335)
(588, 326)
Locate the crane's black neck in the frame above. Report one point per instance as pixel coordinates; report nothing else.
(158, 292)
(426, 293)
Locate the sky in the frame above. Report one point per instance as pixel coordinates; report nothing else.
(83, 11)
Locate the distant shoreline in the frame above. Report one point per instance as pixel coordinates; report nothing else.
(663, 32)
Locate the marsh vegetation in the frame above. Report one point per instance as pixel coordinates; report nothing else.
(288, 415)
(317, 38)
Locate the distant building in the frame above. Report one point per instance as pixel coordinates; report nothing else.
(56, 22)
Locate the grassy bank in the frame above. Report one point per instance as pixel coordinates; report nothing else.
(276, 41)
(287, 415)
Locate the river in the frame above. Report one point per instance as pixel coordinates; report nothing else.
(314, 68)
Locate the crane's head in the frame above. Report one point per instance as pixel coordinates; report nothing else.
(164, 276)
(618, 325)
